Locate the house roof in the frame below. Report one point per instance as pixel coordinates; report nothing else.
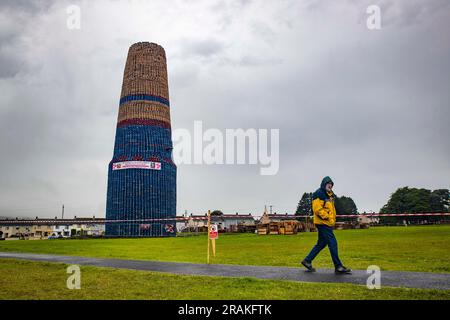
(225, 216)
(283, 216)
(234, 216)
(10, 222)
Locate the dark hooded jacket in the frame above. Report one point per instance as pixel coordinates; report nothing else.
(323, 204)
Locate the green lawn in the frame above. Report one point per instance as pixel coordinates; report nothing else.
(37, 280)
(422, 248)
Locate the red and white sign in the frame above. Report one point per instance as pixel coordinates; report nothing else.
(144, 226)
(137, 165)
(213, 231)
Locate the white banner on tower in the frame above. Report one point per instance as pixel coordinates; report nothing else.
(151, 165)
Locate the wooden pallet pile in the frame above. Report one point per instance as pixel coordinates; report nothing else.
(285, 227)
(262, 228)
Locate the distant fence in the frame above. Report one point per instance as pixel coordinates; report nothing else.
(186, 219)
(87, 221)
(375, 215)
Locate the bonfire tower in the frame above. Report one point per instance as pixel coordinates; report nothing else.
(141, 195)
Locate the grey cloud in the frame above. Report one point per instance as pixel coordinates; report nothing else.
(26, 5)
(11, 44)
(410, 13)
(9, 66)
(201, 48)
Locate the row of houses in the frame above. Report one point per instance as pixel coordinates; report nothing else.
(57, 228)
(225, 222)
(49, 228)
(31, 229)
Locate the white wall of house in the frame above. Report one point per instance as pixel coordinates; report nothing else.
(231, 222)
(61, 230)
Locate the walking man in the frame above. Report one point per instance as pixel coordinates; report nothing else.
(324, 220)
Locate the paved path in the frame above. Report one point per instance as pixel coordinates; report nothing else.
(388, 278)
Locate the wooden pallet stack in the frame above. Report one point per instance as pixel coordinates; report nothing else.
(284, 227)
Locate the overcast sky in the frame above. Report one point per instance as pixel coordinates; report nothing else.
(370, 108)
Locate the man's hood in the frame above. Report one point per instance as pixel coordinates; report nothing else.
(325, 180)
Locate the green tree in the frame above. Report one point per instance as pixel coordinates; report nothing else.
(415, 200)
(304, 206)
(344, 206)
(440, 200)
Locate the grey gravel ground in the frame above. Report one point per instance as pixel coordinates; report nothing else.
(426, 280)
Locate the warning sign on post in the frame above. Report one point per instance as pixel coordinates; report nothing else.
(213, 232)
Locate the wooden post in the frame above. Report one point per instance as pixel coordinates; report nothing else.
(213, 242)
(207, 234)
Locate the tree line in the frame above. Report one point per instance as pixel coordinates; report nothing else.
(403, 200)
(414, 200)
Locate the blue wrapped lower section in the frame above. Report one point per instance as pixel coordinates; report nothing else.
(142, 140)
(134, 195)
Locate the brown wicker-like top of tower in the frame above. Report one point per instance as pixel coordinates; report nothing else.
(146, 71)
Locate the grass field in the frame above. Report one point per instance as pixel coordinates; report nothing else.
(37, 280)
(422, 248)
